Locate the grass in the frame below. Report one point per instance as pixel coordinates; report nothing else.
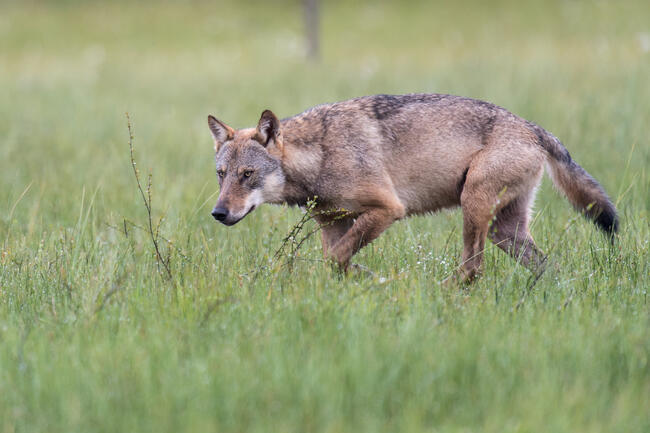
(95, 337)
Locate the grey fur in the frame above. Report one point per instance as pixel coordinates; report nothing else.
(385, 157)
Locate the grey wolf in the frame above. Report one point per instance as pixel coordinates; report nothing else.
(385, 157)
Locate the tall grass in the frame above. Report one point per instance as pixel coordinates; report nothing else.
(95, 336)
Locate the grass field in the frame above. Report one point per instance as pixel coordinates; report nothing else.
(95, 337)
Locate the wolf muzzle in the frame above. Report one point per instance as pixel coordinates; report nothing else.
(220, 213)
(224, 216)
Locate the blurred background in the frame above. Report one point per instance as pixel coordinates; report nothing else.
(91, 326)
(69, 70)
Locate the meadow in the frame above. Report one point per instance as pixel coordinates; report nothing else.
(96, 334)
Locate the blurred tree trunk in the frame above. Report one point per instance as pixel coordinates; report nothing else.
(311, 28)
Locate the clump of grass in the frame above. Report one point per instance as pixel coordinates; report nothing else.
(91, 324)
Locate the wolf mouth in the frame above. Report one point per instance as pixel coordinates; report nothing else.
(232, 223)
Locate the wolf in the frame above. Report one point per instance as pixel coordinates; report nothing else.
(370, 161)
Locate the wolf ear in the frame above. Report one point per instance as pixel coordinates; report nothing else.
(268, 129)
(220, 132)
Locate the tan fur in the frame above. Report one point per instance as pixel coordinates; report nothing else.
(383, 158)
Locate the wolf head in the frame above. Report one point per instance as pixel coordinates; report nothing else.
(249, 167)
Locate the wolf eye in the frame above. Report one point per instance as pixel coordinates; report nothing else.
(220, 173)
(248, 173)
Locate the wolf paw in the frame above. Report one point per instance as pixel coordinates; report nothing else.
(364, 270)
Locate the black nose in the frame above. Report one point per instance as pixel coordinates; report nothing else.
(220, 213)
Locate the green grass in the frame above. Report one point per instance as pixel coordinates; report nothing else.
(93, 337)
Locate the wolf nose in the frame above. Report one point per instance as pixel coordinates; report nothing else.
(220, 213)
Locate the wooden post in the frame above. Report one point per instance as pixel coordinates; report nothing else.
(311, 28)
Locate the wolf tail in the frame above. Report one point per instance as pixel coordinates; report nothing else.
(583, 191)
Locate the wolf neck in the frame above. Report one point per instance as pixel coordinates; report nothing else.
(302, 160)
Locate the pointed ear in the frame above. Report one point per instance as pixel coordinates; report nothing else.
(220, 132)
(268, 128)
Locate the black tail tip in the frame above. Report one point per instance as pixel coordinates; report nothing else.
(607, 220)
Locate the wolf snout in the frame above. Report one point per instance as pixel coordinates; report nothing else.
(220, 213)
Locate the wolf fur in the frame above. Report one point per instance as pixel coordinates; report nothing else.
(386, 157)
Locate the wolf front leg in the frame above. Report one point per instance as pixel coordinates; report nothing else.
(332, 230)
(366, 228)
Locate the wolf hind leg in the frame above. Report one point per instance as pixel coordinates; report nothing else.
(509, 232)
(476, 222)
(495, 181)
